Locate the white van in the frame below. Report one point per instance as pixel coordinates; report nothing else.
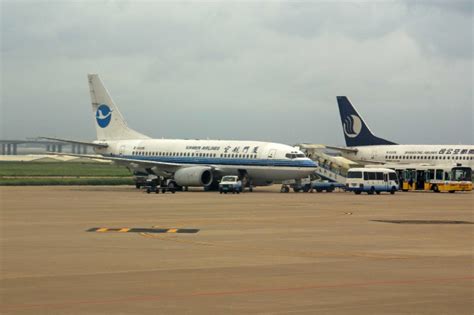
(371, 180)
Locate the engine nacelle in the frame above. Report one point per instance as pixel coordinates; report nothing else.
(193, 176)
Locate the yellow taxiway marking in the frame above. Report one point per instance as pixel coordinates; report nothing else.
(152, 230)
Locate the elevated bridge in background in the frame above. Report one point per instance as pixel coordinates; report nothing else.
(10, 147)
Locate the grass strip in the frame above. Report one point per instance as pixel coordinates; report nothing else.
(65, 181)
(62, 169)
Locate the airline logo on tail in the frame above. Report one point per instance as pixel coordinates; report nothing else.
(356, 131)
(103, 115)
(352, 126)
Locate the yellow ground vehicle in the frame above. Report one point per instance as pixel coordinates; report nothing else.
(437, 179)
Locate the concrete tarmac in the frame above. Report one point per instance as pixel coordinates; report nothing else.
(260, 252)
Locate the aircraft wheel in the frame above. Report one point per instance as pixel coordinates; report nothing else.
(172, 187)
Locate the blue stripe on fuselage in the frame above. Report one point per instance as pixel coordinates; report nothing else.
(221, 161)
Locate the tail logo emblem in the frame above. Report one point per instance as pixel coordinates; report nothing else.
(103, 115)
(352, 126)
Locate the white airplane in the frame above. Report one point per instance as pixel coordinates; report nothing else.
(188, 162)
(365, 148)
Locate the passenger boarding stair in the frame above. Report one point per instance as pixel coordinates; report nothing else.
(331, 168)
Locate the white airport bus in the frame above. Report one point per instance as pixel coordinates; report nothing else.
(371, 180)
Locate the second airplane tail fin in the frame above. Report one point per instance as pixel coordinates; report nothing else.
(109, 122)
(356, 132)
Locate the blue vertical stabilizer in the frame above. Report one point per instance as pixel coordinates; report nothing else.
(356, 132)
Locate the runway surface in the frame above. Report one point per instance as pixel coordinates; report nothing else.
(260, 252)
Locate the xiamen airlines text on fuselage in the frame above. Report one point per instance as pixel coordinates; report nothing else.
(416, 154)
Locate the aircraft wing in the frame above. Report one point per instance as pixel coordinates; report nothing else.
(310, 146)
(371, 163)
(162, 166)
(92, 144)
(343, 149)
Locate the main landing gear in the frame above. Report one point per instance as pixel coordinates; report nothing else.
(155, 186)
(285, 189)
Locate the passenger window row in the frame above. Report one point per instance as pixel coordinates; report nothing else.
(176, 154)
(429, 157)
(241, 156)
(189, 154)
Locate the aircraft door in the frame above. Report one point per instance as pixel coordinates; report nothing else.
(373, 155)
(271, 156)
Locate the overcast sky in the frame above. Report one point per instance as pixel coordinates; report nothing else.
(240, 70)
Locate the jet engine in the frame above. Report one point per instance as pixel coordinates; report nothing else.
(194, 176)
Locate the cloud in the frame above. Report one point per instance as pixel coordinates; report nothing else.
(270, 70)
(442, 28)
